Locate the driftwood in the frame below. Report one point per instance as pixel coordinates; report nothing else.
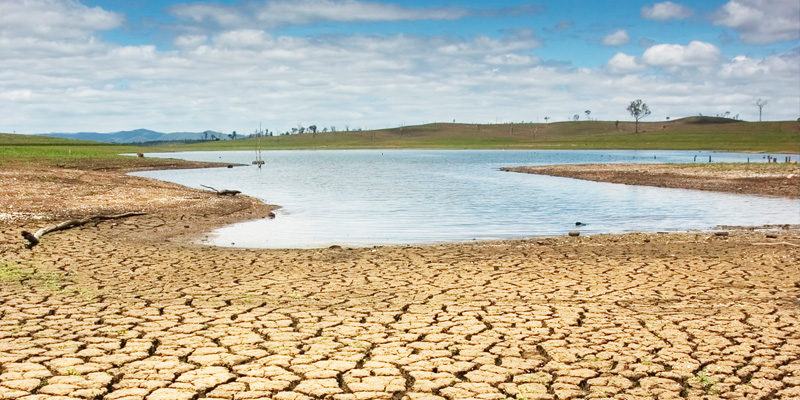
(33, 238)
(776, 244)
(223, 192)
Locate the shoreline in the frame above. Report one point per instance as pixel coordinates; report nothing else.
(183, 215)
(775, 180)
(174, 213)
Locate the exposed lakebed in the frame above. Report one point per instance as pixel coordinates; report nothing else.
(376, 197)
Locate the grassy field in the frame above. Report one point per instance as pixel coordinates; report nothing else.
(686, 134)
(48, 152)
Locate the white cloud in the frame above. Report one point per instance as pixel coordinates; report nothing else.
(272, 14)
(190, 40)
(232, 79)
(512, 60)
(618, 38)
(743, 67)
(53, 19)
(696, 54)
(623, 63)
(761, 21)
(666, 11)
(243, 39)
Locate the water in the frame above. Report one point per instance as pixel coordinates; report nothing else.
(378, 197)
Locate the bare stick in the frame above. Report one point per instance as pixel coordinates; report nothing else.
(33, 238)
(223, 192)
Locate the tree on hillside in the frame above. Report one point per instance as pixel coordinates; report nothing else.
(576, 117)
(638, 110)
(588, 112)
(760, 104)
(546, 119)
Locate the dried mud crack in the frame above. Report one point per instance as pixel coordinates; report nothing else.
(94, 315)
(715, 319)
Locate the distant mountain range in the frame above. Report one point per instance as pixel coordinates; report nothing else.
(139, 136)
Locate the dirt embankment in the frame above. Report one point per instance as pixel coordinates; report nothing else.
(783, 182)
(35, 197)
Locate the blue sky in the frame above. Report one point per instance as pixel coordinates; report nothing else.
(106, 65)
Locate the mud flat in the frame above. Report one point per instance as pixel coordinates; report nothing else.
(129, 309)
(761, 179)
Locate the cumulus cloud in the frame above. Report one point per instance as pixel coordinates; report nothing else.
(190, 40)
(696, 54)
(512, 60)
(623, 63)
(233, 78)
(666, 11)
(618, 38)
(278, 13)
(744, 67)
(761, 21)
(53, 19)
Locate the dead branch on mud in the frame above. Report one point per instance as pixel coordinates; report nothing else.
(33, 238)
(223, 192)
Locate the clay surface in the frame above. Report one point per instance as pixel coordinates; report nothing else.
(129, 310)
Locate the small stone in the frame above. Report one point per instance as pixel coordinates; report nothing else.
(574, 233)
(721, 233)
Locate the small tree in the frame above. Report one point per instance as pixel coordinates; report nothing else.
(546, 119)
(760, 104)
(576, 117)
(588, 112)
(638, 110)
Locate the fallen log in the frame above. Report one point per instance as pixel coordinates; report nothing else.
(223, 192)
(33, 238)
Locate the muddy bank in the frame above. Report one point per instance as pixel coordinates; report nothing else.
(36, 197)
(744, 178)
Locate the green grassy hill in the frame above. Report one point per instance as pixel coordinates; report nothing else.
(696, 133)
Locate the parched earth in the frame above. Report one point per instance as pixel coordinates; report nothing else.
(113, 312)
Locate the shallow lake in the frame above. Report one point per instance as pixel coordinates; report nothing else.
(379, 197)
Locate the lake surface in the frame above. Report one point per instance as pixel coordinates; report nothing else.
(380, 197)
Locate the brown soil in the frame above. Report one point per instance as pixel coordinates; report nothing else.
(111, 312)
(36, 197)
(700, 177)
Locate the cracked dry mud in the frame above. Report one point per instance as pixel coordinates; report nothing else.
(638, 316)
